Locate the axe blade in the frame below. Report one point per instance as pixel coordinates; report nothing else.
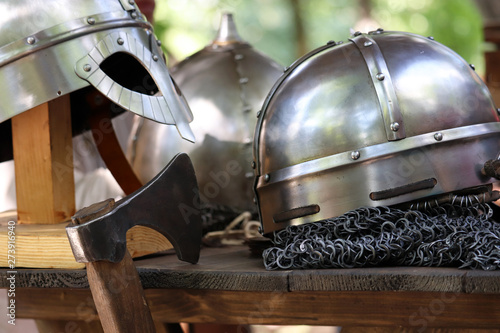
(169, 204)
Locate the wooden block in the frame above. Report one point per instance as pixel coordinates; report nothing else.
(43, 158)
(47, 246)
(142, 241)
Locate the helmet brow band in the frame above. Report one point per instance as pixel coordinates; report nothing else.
(405, 189)
(295, 213)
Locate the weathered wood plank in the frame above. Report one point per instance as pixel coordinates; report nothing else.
(230, 268)
(417, 310)
(218, 268)
(478, 281)
(233, 268)
(380, 279)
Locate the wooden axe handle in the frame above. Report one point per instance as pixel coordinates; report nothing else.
(119, 297)
(116, 287)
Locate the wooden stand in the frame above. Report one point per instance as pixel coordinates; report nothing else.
(43, 158)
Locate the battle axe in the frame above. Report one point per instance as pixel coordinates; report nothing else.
(97, 236)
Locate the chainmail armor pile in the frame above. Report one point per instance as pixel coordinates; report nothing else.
(447, 235)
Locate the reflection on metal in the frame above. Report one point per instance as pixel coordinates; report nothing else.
(225, 84)
(52, 48)
(351, 119)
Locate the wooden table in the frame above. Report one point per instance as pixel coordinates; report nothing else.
(230, 286)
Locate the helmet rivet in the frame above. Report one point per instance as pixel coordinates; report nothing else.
(243, 80)
(368, 43)
(267, 177)
(238, 57)
(340, 42)
(132, 2)
(87, 67)
(355, 155)
(330, 42)
(431, 38)
(158, 42)
(394, 126)
(498, 111)
(133, 15)
(91, 20)
(253, 164)
(472, 66)
(155, 57)
(380, 76)
(357, 33)
(254, 200)
(438, 136)
(120, 41)
(30, 40)
(259, 113)
(380, 30)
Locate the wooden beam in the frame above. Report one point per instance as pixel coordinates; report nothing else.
(418, 310)
(51, 326)
(43, 158)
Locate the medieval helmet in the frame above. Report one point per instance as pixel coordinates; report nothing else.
(383, 119)
(53, 48)
(225, 84)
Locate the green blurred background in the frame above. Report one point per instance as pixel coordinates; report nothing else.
(287, 29)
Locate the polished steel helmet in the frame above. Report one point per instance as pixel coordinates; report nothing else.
(225, 84)
(52, 48)
(383, 119)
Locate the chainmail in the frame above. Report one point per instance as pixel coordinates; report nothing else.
(446, 235)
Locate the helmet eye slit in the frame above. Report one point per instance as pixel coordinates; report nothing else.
(127, 71)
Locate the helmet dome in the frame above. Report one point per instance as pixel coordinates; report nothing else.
(225, 84)
(385, 118)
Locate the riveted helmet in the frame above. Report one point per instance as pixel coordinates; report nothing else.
(383, 119)
(225, 84)
(53, 48)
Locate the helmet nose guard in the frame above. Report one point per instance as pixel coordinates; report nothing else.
(168, 107)
(383, 119)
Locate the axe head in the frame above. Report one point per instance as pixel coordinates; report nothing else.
(169, 204)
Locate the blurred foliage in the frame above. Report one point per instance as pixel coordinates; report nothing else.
(185, 26)
(454, 23)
